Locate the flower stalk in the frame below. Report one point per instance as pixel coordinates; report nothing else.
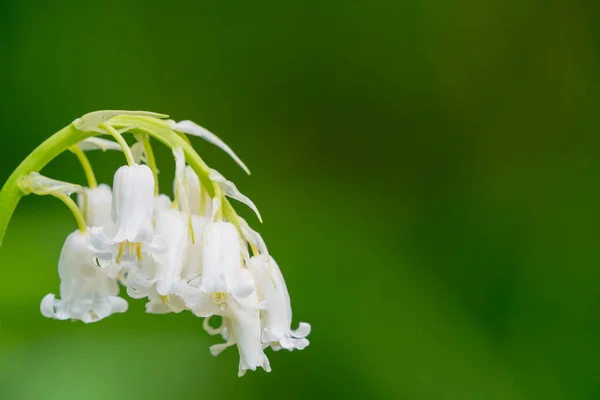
(119, 138)
(11, 193)
(186, 254)
(86, 165)
(151, 161)
(72, 206)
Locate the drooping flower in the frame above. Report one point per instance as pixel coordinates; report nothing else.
(198, 199)
(222, 262)
(132, 213)
(87, 292)
(133, 203)
(277, 315)
(96, 205)
(228, 290)
(161, 203)
(192, 253)
(192, 271)
(160, 280)
(246, 331)
(241, 326)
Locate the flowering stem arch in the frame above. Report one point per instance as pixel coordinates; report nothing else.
(191, 253)
(61, 141)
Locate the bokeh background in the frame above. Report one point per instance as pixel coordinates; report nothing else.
(427, 171)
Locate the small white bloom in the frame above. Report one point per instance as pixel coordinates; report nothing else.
(193, 267)
(246, 331)
(161, 203)
(97, 206)
(277, 315)
(222, 264)
(87, 293)
(196, 196)
(241, 327)
(172, 226)
(160, 280)
(132, 213)
(133, 203)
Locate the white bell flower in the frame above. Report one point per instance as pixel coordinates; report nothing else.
(132, 214)
(196, 196)
(277, 315)
(192, 270)
(242, 327)
(246, 331)
(87, 293)
(161, 203)
(97, 206)
(188, 252)
(222, 262)
(133, 203)
(160, 280)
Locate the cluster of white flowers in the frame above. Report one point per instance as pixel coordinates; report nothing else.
(181, 254)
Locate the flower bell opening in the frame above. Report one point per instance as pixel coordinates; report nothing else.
(186, 254)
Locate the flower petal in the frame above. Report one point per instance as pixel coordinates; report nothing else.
(219, 348)
(191, 128)
(48, 306)
(302, 331)
(232, 191)
(95, 143)
(210, 330)
(253, 237)
(42, 185)
(97, 206)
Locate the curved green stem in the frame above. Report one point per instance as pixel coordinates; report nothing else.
(184, 137)
(151, 161)
(11, 193)
(124, 146)
(87, 167)
(74, 209)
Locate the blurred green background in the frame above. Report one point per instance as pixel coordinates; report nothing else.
(427, 171)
